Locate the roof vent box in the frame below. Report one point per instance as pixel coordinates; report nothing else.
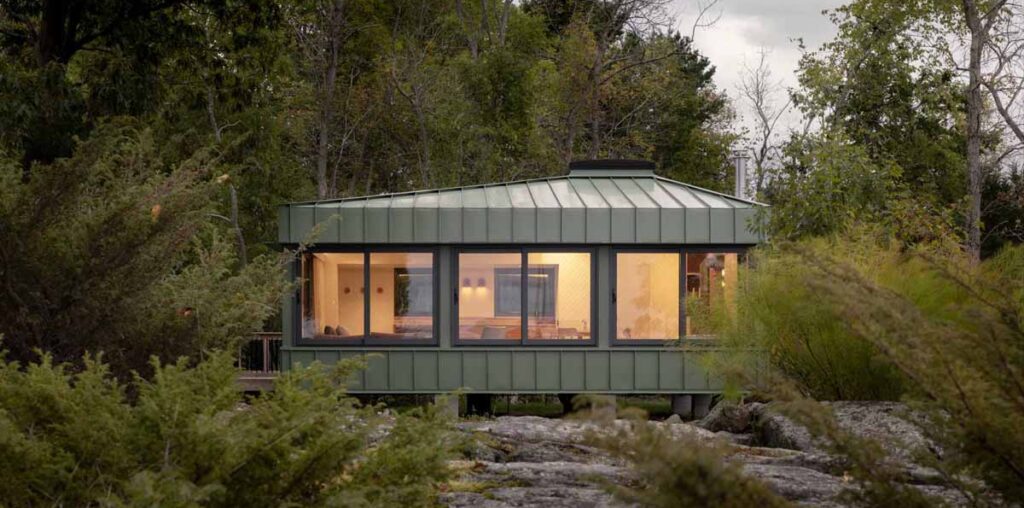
(611, 167)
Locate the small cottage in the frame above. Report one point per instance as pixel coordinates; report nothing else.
(588, 282)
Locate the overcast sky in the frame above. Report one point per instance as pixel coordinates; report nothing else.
(745, 26)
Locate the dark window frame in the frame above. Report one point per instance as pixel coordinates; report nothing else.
(613, 338)
(365, 339)
(524, 251)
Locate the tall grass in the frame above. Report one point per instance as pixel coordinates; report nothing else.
(862, 319)
(781, 322)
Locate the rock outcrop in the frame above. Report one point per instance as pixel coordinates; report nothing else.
(533, 461)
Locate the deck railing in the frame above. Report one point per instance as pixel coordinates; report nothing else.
(261, 354)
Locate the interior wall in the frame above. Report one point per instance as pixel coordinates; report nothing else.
(573, 291)
(648, 295)
(332, 306)
(477, 301)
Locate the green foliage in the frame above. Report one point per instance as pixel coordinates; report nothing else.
(106, 251)
(1003, 193)
(883, 83)
(829, 184)
(677, 470)
(889, 85)
(403, 469)
(189, 439)
(779, 319)
(957, 332)
(946, 334)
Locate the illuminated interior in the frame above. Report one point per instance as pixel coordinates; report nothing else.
(490, 295)
(402, 301)
(558, 295)
(400, 297)
(647, 295)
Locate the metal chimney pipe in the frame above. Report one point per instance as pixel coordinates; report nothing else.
(739, 161)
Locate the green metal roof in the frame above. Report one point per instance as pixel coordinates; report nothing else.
(584, 207)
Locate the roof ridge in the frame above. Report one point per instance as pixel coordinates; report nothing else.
(427, 191)
(709, 191)
(547, 179)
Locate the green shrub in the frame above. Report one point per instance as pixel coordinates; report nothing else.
(115, 250)
(952, 335)
(678, 470)
(781, 320)
(189, 439)
(957, 332)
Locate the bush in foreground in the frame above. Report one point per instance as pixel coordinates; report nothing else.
(676, 470)
(188, 439)
(951, 331)
(781, 320)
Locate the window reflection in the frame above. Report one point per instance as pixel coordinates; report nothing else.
(647, 295)
(711, 280)
(402, 297)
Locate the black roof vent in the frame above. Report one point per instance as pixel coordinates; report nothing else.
(611, 167)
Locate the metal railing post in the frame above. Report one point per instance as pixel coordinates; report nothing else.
(266, 353)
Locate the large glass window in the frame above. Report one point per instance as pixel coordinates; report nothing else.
(332, 306)
(402, 297)
(399, 296)
(647, 295)
(711, 280)
(490, 296)
(558, 296)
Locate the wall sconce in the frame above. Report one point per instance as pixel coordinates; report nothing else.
(481, 282)
(466, 283)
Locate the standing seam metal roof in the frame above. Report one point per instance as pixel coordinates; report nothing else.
(567, 209)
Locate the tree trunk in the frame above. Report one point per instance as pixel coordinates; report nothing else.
(51, 45)
(421, 121)
(243, 256)
(471, 36)
(595, 104)
(978, 28)
(330, 76)
(323, 132)
(974, 106)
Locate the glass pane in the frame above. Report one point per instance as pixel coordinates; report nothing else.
(558, 295)
(490, 295)
(647, 296)
(402, 297)
(332, 299)
(711, 280)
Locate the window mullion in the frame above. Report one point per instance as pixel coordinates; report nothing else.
(523, 295)
(682, 294)
(366, 297)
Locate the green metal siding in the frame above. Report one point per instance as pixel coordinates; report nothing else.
(524, 370)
